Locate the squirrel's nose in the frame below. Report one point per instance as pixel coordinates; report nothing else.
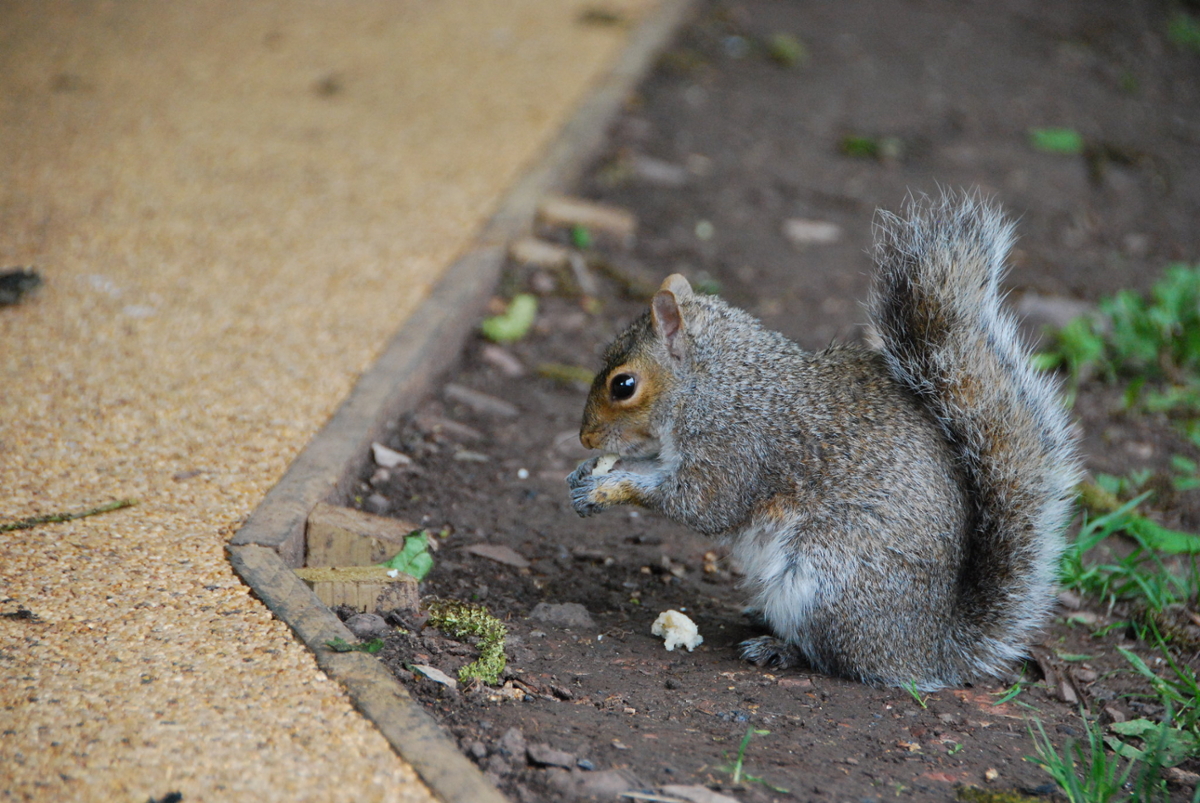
(588, 439)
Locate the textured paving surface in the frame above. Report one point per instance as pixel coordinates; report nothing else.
(233, 205)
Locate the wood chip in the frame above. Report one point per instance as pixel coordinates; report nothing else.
(438, 425)
(795, 683)
(389, 458)
(596, 218)
(540, 253)
(1070, 600)
(547, 756)
(657, 172)
(811, 232)
(506, 692)
(697, 794)
(480, 402)
(500, 554)
(1179, 777)
(502, 359)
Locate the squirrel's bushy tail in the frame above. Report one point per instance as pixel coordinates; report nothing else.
(937, 308)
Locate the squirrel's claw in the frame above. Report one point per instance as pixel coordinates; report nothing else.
(582, 482)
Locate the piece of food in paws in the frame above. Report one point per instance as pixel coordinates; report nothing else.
(678, 630)
(605, 464)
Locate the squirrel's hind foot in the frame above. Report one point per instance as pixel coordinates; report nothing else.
(768, 651)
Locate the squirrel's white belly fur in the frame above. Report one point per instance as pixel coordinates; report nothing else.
(785, 586)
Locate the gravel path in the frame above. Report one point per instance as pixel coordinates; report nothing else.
(232, 206)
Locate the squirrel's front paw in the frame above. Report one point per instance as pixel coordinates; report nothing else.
(582, 483)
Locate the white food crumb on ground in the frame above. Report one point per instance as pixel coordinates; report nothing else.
(522, 473)
(678, 630)
(604, 464)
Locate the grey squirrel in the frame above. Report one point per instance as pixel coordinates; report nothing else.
(898, 514)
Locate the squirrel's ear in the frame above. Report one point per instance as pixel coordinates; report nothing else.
(668, 318)
(678, 284)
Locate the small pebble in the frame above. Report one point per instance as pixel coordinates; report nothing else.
(377, 504)
(566, 615)
(367, 626)
(607, 784)
(512, 745)
(547, 756)
(496, 765)
(15, 283)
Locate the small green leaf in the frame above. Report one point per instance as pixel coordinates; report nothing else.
(581, 238)
(1072, 657)
(1162, 539)
(1183, 464)
(1045, 361)
(786, 50)
(1133, 392)
(1111, 484)
(1138, 664)
(1184, 31)
(1124, 750)
(861, 147)
(884, 149)
(1134, 727)
(514, 323)
(1172, 745)
(420, 565)
(414, 559)
(1066, 141)
(1009, 693)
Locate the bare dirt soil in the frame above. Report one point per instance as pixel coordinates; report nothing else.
(723, 145)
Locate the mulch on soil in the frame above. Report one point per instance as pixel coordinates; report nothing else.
(722, 147)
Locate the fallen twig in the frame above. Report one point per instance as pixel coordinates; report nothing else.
(55, 518)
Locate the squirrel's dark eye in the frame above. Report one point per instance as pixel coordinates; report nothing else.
(623, 386)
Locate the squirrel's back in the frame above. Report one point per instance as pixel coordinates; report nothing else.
(937, 308)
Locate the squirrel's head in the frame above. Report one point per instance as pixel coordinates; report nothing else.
(639, 368)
